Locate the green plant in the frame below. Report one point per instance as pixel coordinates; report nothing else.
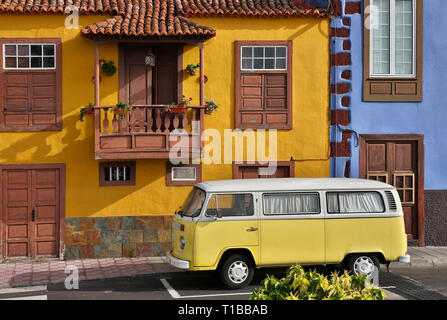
(121, 110)
(210, 106)
(183, 103)
(301, 285)
(85, 110)
(191, 68)
(108, 68)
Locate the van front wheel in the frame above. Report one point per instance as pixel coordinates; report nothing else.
(363, 264)
(236, 272)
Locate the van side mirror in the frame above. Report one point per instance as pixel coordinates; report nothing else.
(214, 213)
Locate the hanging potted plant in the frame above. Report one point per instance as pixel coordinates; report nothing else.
(108, 68)
(121, 110)
(86, 110)
(180, 107)
(210, 106)
(191, 68)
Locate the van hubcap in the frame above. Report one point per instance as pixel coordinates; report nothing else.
(238, 272)
(364, 265)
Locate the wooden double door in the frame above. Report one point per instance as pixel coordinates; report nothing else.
(398, 160)
(32, 210)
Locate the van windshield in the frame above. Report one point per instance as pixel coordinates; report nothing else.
(193, 204)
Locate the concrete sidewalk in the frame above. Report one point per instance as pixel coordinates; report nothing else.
(424, 258)
(30, 273)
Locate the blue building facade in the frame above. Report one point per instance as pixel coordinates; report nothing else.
(389, 104)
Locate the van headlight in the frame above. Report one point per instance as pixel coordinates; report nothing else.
(182, 243)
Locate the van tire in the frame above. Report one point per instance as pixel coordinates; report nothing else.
(236, 271)
(356, 262)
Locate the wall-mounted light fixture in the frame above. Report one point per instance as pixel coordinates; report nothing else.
(149, 59)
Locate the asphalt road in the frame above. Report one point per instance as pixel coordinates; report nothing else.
(400, 284)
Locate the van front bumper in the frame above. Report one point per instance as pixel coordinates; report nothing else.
(404, 258)
(178, 263)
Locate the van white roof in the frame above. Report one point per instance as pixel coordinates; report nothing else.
(291, 184)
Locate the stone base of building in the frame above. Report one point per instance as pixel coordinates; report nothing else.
(435, 217)
(114, 237)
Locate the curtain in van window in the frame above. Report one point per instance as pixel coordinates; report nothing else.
(291, 203)
(355, 202)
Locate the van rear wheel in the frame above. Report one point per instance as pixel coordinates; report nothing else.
(363, 264)
(236, 272)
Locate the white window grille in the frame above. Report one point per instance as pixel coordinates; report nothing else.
(262, 58)
(32, 56)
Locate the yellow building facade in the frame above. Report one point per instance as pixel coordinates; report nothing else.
(72, 189)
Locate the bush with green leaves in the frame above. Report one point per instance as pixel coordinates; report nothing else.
(299, 284)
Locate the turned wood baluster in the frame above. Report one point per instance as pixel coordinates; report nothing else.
(176, 120)
(150, 120)
(132, 120)
(185, 120)
(115, 123)
(157, 115)
(143, 119)
(138, 120)
(123, 125)
(167, 121)
(105, 122)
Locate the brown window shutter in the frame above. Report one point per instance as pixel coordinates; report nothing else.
(263, 98)
(393, 89)
(30, 100)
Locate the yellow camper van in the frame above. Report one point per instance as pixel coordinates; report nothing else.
(235, 226)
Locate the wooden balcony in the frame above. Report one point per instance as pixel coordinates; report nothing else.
(148, 132)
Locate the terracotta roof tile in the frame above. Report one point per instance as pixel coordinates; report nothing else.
(167, 18)
(148, 18)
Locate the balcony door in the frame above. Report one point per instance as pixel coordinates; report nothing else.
(143, 84)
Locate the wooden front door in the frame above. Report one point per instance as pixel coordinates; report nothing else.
(142, 84)
(32, 207)
(398, 160)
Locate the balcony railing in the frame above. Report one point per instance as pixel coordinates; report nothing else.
(148, 132)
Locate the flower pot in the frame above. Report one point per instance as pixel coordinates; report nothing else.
(181, 108)
(89, 110)
(192, 73)
(208, 111)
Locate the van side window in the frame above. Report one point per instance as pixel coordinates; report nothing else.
(354, 202)
(231, 205)
(291, 203)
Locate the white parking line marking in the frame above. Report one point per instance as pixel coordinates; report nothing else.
(43, 297)
(170, 289)
(174, 294)
(389, 287)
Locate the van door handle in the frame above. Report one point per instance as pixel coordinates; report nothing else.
(252, 229)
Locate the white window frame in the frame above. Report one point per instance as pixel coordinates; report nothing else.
(183, 179)
(392, 73)
(29, 56)
(263, 58)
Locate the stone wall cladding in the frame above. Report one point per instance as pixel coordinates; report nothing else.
(114, 237)
(341, 89)
(435, 217)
